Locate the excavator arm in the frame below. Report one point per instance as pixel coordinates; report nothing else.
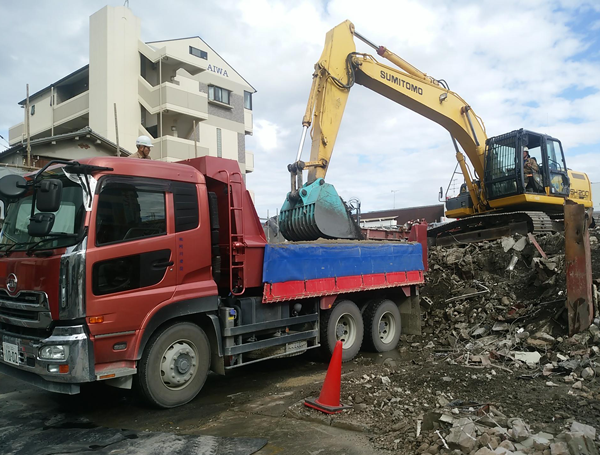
(338, 69)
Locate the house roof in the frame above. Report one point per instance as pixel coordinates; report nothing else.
(68, 78)
(87, 131)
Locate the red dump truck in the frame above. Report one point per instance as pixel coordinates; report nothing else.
(151, 274)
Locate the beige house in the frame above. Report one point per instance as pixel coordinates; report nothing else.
(160, 89)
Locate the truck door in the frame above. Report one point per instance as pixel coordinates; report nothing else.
(130, 259)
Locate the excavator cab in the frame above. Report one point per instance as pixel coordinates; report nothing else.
(505, 175)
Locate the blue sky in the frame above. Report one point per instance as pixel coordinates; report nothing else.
(532, 64)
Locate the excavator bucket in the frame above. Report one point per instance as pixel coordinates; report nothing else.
(317, 211)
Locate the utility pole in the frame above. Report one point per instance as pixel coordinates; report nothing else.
(27, 115)
(117, 131)
(195, 141)
(395, 191)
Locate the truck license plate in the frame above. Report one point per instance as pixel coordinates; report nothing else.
(11, 353)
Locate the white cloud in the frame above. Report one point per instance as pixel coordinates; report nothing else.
(266, 135)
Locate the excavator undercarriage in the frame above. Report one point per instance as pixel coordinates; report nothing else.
(492, 226)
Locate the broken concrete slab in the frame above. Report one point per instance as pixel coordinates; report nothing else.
(520, 244)
(530, 358)
(519, 429)
(508, 243)
(580, 444)
(587, 430)
(462, 435)
(559, 448)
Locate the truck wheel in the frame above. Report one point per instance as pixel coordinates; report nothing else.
(174, 366)
(344, 323)
(382, 325)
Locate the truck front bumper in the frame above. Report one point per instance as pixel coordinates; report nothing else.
(30, 364)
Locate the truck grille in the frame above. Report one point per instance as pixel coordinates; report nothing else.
(25, 309)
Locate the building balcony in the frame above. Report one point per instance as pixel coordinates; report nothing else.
(47, 116)
(72, 108)
(249, 162)
(248, 121)
(184, 61)
(16, 133)
(170, 148)
(184, 98)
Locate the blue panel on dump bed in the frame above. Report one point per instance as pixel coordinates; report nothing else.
(297, 262)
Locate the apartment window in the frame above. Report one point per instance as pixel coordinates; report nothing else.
(247, 100)
(219, 144)
(198, 53)
(218, 94)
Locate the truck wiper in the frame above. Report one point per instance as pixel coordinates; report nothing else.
(31, 249)
(5, 252)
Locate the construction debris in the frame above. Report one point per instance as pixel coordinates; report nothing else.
(495, 371)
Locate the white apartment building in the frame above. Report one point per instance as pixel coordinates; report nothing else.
(160, 89)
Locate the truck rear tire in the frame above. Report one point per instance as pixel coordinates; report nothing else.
(344, 323)
(174, 366)
(382, 325)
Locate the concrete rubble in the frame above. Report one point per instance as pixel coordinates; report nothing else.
(495, 371)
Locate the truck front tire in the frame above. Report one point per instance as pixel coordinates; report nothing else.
(174, 366)
(344, 323)
(382, 325)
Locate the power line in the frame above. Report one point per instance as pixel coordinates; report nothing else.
(2, 137)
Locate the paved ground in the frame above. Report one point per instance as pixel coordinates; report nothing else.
(248, 403)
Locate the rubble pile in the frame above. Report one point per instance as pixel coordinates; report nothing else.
(494, 372)
(501, 301)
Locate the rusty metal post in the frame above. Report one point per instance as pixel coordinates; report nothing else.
(578, 267)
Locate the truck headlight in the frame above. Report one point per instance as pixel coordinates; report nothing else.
(54, 352)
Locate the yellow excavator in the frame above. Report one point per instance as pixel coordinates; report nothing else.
(497, 197)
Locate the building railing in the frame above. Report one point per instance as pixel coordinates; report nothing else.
(73, 107)
(176, 148)
(249, 161)
(248, 121)
(47, 116)
(16, 133)
(173, 97)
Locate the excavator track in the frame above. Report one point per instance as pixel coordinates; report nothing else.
(492, 226)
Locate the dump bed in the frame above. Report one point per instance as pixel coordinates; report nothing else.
(301, 270)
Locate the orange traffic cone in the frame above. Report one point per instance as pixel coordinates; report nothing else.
(329, 400)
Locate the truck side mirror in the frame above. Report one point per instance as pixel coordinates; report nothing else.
(48, 195)
(441, 194)
(12, 186)
(40, 224)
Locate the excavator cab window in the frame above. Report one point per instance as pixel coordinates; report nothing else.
(557, 170)
(502, 166)
(535, 182)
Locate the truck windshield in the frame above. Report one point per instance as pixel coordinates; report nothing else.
(67, 225)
